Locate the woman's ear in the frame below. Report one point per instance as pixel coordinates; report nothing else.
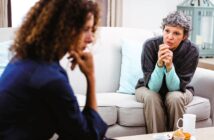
(185, 37)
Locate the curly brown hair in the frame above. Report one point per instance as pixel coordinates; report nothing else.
(51, 26)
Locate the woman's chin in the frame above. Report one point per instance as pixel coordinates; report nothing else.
(172, 49)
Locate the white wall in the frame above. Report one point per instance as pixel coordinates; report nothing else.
(19, 10)
(146, 13)
(136, 13)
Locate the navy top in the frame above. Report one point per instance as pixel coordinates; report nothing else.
(185, 61)
(36, 101)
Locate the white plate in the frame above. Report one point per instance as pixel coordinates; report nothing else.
(193, 138)
(167, 136)
(160, 137)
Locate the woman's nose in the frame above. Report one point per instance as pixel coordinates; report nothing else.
(170, 36)
(90, 37)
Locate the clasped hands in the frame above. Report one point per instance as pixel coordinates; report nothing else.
(165, 57)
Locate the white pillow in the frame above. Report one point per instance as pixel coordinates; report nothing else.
(4, 54)
(131, 65)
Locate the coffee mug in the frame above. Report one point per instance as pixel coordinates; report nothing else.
(188, 123)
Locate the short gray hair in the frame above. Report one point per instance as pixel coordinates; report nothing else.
(178, 18)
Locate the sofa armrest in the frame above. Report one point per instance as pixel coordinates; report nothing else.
(7, 33)
(203, 82)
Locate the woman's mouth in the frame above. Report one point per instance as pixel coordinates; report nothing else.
(169, 44)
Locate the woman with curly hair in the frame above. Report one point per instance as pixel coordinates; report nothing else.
(36, 99)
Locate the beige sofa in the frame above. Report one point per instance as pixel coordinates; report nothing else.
(121, 111)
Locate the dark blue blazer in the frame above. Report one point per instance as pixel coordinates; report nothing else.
(36, 101)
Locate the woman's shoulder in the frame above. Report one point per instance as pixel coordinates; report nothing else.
(46, 72)
(154, 41)
(152, 44)
(191, 46)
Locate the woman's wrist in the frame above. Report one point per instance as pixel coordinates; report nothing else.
(160, 64)
(90, 77)
(168, 68)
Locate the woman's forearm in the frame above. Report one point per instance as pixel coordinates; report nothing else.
(91, 95)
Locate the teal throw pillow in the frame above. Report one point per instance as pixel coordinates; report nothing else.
(131, 66)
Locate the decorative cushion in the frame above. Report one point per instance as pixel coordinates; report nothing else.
(131, 65)
(4, 54)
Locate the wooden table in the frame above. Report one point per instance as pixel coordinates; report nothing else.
(207, 63)
(201, 134)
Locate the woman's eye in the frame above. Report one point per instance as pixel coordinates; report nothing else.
(85, 29)
(176, 33)
(167, 31)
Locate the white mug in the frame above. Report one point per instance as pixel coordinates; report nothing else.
(188, 123)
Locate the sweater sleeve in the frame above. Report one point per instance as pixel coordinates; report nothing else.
(72, 123)
(148, 61)
(186, 60)
(156, 79)
(172, 80)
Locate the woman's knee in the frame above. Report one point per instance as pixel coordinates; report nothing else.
(175, 97)
(143, 94)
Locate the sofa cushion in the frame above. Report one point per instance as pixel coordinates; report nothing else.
(107, 111)
(129, 112)
(124, 110)
(199, 106)
(118, 108)
(131, 60)
(131, 66)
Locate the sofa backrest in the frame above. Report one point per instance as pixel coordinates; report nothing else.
(7, 34)
(107, 58)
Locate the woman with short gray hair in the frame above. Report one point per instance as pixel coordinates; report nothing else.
(168, 63)
(177, 18)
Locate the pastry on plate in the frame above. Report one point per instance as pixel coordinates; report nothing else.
(180, 135)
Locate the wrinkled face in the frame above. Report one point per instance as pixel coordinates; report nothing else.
(172, 36)
(87, 35)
